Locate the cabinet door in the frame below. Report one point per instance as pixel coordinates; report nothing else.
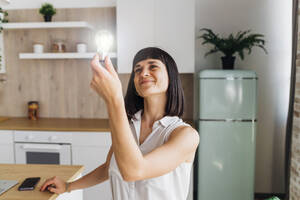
(90, 149)
(6, 147)
(135, 23)
(174, 25)
(168, 24)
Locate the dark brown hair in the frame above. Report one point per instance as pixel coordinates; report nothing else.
(175, 95)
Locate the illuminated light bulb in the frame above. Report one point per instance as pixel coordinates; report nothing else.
(104, 41)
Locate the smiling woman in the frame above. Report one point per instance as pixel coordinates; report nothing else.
(156, 58)
(152, 148)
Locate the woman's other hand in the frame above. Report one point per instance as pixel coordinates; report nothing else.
(105, 80)
(55, 185)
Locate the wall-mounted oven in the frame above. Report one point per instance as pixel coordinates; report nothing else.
(43, 147)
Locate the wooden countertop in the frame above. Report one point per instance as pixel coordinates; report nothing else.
(3, 119)
(56, 124)
(20, 172)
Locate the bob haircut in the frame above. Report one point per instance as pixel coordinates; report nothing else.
(175, 95)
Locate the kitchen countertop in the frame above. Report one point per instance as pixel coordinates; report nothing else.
(58, 124)
(55, 124)
(20, 172)
(3, 119)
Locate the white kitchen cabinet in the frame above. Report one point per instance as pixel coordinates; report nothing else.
(90, 149)
(174, 31)
(6, 147)
(167, 24)
(135, 24)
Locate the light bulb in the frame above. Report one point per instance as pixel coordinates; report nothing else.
(104, 40)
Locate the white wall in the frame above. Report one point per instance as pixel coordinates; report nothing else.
(273, 19)
(27, 4)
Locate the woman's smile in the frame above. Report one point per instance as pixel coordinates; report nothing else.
(146, 82)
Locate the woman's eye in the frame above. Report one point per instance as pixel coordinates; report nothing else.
(137, 70)
(153, 66)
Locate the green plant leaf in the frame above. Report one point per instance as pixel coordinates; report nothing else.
(242, 40)
(47, 9)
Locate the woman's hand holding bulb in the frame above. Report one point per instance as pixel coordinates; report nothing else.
(105, 80)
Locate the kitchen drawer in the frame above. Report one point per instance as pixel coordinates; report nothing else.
(43, 136)
(91, 138)
(6, 137)
(6, 147)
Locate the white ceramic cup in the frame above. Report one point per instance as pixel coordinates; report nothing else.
(38, 48)
(81, 48)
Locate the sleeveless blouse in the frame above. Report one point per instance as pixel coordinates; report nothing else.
(173, 185)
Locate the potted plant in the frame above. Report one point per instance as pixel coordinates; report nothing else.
(243, 40)
(3, 15)
(47, 10)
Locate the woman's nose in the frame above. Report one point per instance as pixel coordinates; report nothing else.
(145, 72)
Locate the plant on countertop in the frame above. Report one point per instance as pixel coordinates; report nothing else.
(243, 40)
(47, 10)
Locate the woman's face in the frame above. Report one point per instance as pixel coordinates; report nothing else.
(150, 77)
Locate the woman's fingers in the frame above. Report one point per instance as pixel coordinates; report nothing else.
(47, 182)
(96, 81)
(54, 190)
(109, 66)
(105, 80)
(93, 85)
(55, 185)
(101, 71)
(97, 68)
(96, 65)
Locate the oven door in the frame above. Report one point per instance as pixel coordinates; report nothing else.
(39, 153)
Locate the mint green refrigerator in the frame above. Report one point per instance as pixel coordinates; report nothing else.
(227, 128)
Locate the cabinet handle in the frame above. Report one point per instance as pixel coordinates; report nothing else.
(48, 147)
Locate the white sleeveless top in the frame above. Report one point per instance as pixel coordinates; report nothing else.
(171, 186)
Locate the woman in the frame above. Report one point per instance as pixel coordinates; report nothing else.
(152, 148)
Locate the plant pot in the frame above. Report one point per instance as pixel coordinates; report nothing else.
(47, 18)
(228, 62)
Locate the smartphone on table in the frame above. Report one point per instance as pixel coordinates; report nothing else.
(29, 184)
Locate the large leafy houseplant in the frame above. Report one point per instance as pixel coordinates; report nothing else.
(48, 11)
(232, 44)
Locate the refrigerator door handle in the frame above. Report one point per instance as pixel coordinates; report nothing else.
(230, 120)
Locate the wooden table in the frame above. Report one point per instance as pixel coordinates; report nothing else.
(20, 172)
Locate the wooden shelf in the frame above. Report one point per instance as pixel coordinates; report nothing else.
(72, 55)
(46, 25)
